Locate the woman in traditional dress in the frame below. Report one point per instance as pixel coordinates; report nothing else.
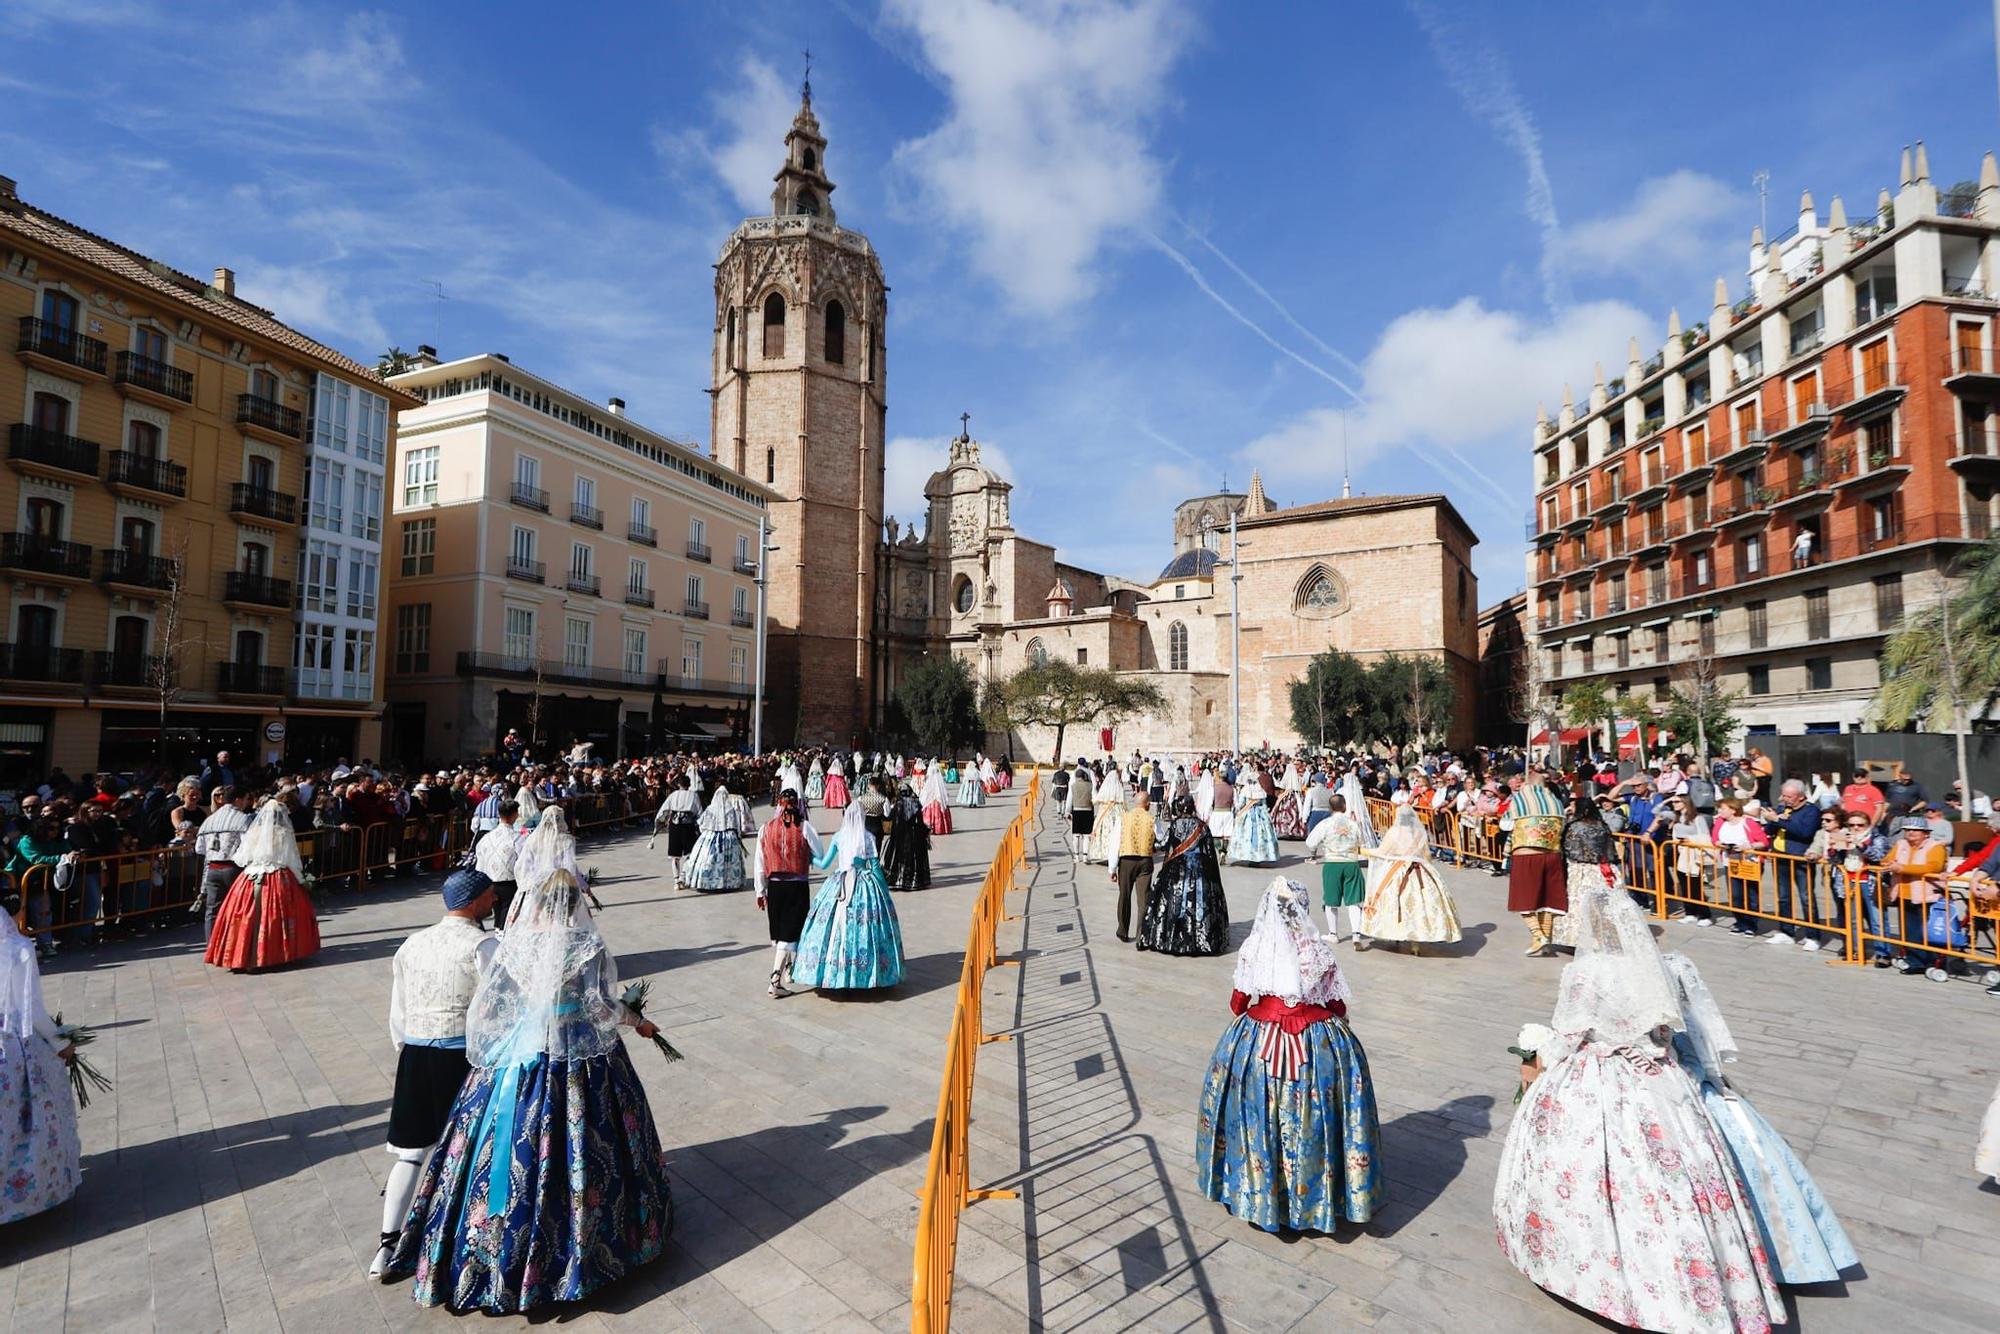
(551, 1182)
(1186, 911)
(716, 864)
(971, 792)
(531, 807)
(1587, 846)
(1288, 1137)
(1108, 797)
(937, 806)
(1803, 1240)
(1407, 902)
(852, 940)
(988, 777)
(1357, 806)
(1288, 817)
(39, 1155)
(1615, 1191)
(267, 918)
(836, 786)
(906, 860)
(815, 788)
(549, 849)
(1254, 842)
(1986, 1157)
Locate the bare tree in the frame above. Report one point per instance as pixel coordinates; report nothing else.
(169, 634)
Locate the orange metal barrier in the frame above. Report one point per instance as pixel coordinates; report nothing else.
(947, 1181)
(131, 887)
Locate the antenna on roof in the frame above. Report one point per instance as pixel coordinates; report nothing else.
(437, 323)
(1346, 482)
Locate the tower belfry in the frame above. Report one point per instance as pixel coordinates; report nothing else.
(798, 394)
(802, 184)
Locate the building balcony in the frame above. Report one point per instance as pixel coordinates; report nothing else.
(268, 420)
(587, 584)
(1874, 391)
(639, 597)
(262, 504)
(1743, 448)
(1694, 477)
(126, 671)
(1971, 371)
(30, 449)
(673, 679)
(44, 558)
(62, 350)
(145, 478)
(553, 671)
(643, 533)
(1977, 461)
(1809, 490)
(744, 565)
(1882, 538)
(1652, 542)
(529, 497)
(1612, 503)
(531, 571)
(1652, 487)
(742, 619)
(136, 569)
(249, 678)
(154, 381)
(260, 592)
(42, 663)
(699, 551)
(1884, 470)
(695, 611)
(586, 516)
(1807, 429)
(1753, 506)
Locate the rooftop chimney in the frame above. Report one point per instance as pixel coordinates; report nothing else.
(427, 356)
(617, 406)
(10, 198)
(225, 281)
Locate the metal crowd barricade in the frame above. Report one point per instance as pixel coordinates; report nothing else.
(947, 1180)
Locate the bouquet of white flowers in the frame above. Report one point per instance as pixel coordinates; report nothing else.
(1527, 1048)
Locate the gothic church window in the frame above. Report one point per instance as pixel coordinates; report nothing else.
(962, 595)
(836, 333)
(1177, 647)
(774, 327)
(1038, 653)
(1319, 594)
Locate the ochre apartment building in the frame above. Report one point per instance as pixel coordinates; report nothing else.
(157, 517)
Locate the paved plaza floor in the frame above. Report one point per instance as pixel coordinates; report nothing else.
(231, 1178)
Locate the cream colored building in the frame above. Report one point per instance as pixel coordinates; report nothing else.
(556, 568)
(1369, 575)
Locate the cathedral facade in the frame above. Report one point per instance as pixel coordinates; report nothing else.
(799, 403)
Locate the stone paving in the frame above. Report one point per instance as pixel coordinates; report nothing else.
(232, 1176)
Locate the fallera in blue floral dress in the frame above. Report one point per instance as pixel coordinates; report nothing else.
(852, 939)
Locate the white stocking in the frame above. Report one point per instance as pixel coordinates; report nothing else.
(407, 1166)
(1333, 921)
(779, 949)
(1354, 918)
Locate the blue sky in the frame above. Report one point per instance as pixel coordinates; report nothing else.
(1145, 243)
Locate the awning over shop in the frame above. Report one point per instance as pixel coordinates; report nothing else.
(1569, 736)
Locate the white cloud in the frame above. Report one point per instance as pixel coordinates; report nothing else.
(1044, 157)
(747, 145)
(1449, 400)
(1674, 223)
(315, 299)
(364, 65)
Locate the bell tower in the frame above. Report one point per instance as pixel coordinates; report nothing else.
(798, 402)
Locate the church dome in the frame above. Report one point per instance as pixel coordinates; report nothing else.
(1196, 564)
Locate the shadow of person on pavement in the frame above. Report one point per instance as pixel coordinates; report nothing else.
(1423, 1153)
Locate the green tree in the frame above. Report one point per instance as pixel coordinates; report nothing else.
(1409, 699)
(1060, 695)
(393, 362)
(1590, 704)
(1944, 661)
(939, 703)
(1701, 711)
(1331, 699)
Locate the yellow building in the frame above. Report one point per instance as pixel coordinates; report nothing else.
(162, 539)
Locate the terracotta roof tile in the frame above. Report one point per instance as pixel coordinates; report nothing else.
(59, 234)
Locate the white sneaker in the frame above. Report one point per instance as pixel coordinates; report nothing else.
(1777, 938)
(1704, 921)
(1809, 946)
(1937, 974)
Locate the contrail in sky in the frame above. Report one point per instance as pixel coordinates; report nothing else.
(1276, 304)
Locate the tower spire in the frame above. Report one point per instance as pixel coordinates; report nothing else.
(803, 188)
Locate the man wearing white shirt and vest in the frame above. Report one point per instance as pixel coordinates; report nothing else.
(216, 842)
(495, 855)
(1132, 858)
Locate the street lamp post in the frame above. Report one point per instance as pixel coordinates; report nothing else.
(764, 549)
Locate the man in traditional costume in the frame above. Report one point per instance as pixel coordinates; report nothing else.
(1537, 885)
(496, 852)
(681, 814)
(433, 977)
(216, 843)
(782, 869)
(1336, 841)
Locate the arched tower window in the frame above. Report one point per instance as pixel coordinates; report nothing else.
(809, 203)
(808, 159)
(1318, 594)
(836, 333)
(774, 327)
(729, 343)
(1038, 653)
(1177, 651)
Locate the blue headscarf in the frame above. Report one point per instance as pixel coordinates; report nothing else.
(464, 885)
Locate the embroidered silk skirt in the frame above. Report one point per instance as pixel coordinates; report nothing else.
(852, 939)
(716, 863)
(1254, 843)
(937, 817)
(1287, 818)
(264, 921)
(815, 786)
(580, 1197)
(836, 792)
(971, 792)
(39, 1153)
(1301, 1153)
